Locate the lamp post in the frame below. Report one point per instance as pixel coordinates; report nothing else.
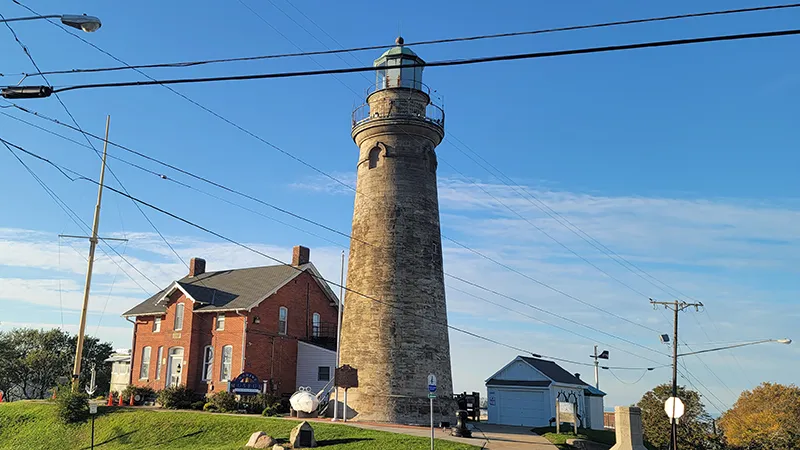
(785, 341)
(83, 22)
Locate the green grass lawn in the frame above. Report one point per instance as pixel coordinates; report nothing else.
(601, 436)
(34, 425)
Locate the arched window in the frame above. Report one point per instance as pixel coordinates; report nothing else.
(144, 369)
(227, 360)
(283, 314)
(315, 325)
(373, 157)
(208, 363)
(178, 325)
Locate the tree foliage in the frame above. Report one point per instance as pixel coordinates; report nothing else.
(694, 428)
(31, 361)
(766, 418)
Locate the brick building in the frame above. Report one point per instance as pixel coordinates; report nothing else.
(208, 327)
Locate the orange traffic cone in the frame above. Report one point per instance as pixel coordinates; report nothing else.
(54, 395)
(130, 403)
(1, 396)
(110, 401)
(121, 402)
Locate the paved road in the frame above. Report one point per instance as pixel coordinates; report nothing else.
(495, 437)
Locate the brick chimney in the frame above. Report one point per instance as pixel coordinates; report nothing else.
(197, 266)
(300, 255)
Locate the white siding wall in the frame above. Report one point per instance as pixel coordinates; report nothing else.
(309, 359)
(520, 370)
(594, 408)
(120, 375)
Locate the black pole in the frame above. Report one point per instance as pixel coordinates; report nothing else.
(674, 432)
(93, 430)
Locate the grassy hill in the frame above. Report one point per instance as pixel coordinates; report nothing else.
(34, 425)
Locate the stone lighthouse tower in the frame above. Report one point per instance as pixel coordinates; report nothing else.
(396, 252)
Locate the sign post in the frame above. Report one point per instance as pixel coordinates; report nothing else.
(565, 412)
(431, 396)
(345, 377)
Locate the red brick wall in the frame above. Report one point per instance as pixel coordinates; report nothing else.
(199, 331)
(260, 337)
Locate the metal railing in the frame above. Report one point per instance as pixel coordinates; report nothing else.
(433, 113)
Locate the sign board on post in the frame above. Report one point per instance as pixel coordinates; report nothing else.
(565, 412)
(431, 396)
(674, 408)
(431, 383)
(245, 383)
(345, 377)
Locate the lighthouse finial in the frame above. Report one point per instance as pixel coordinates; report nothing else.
(399, 40)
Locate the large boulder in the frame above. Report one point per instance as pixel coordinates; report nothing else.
(259, 439)
(302, 436)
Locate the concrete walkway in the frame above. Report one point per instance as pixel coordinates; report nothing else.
(493, 437)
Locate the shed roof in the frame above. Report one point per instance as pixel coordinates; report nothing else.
(553, 371)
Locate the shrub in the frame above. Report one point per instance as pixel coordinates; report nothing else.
(72, 407)
(210, 407)
(223, 401)
(133, 391)
(256, 404)
(198, 405)
(176, 397)
(271, 410)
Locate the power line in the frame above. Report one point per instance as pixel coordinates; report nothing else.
(278, 261)
(444, 63)
(417, 43)
(482, 255)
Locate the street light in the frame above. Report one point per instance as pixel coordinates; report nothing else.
(81, 22)
(786, 341)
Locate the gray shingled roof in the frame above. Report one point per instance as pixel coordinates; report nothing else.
(553, 371)
(227, 289)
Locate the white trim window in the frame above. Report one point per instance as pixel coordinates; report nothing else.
(144, 370)
(208, 363)
(156, 324)
(158, 362)
(315, 323)
(178, 325)
(227, 362)
(220, 322)
(283, 316)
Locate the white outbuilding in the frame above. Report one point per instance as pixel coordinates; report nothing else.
(525, 391)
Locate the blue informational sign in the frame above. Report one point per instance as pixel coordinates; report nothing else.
(245, 383)
(432, 383)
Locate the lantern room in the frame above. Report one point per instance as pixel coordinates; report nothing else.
(392, 74)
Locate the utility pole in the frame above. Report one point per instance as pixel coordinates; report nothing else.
(93, 239)
(603, 355)
(676, 306)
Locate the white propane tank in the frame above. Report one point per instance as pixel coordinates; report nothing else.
(303, 400)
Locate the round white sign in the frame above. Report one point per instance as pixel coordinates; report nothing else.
(674, 408)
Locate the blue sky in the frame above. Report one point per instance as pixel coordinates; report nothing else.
(682, 160)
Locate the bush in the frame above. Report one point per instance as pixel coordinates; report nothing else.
(210, 407)
(176, 397)
(133, 391)
(198, 405)
(255, 404)
(72, 407)
(271, 410)
(223, 401)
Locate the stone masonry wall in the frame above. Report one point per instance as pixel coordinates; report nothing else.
(396, 212)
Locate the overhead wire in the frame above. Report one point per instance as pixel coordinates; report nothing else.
(441, 63)
(461, 279)
(79, 176)
(183, 64)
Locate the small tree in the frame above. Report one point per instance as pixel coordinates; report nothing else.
(72, 407)
(766, 418)
(695, 425)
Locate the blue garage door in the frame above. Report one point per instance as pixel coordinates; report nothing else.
(521, 408)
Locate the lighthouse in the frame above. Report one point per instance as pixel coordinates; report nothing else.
(394, 329)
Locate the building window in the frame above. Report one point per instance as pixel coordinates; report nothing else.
(220, 322)
(373, 157)
(158, 362)
(157, 325)
(145, 369)
(283, 313)
(208, 363)
(227, 360)
(315, 325)
(178, 317)
(323, 373)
